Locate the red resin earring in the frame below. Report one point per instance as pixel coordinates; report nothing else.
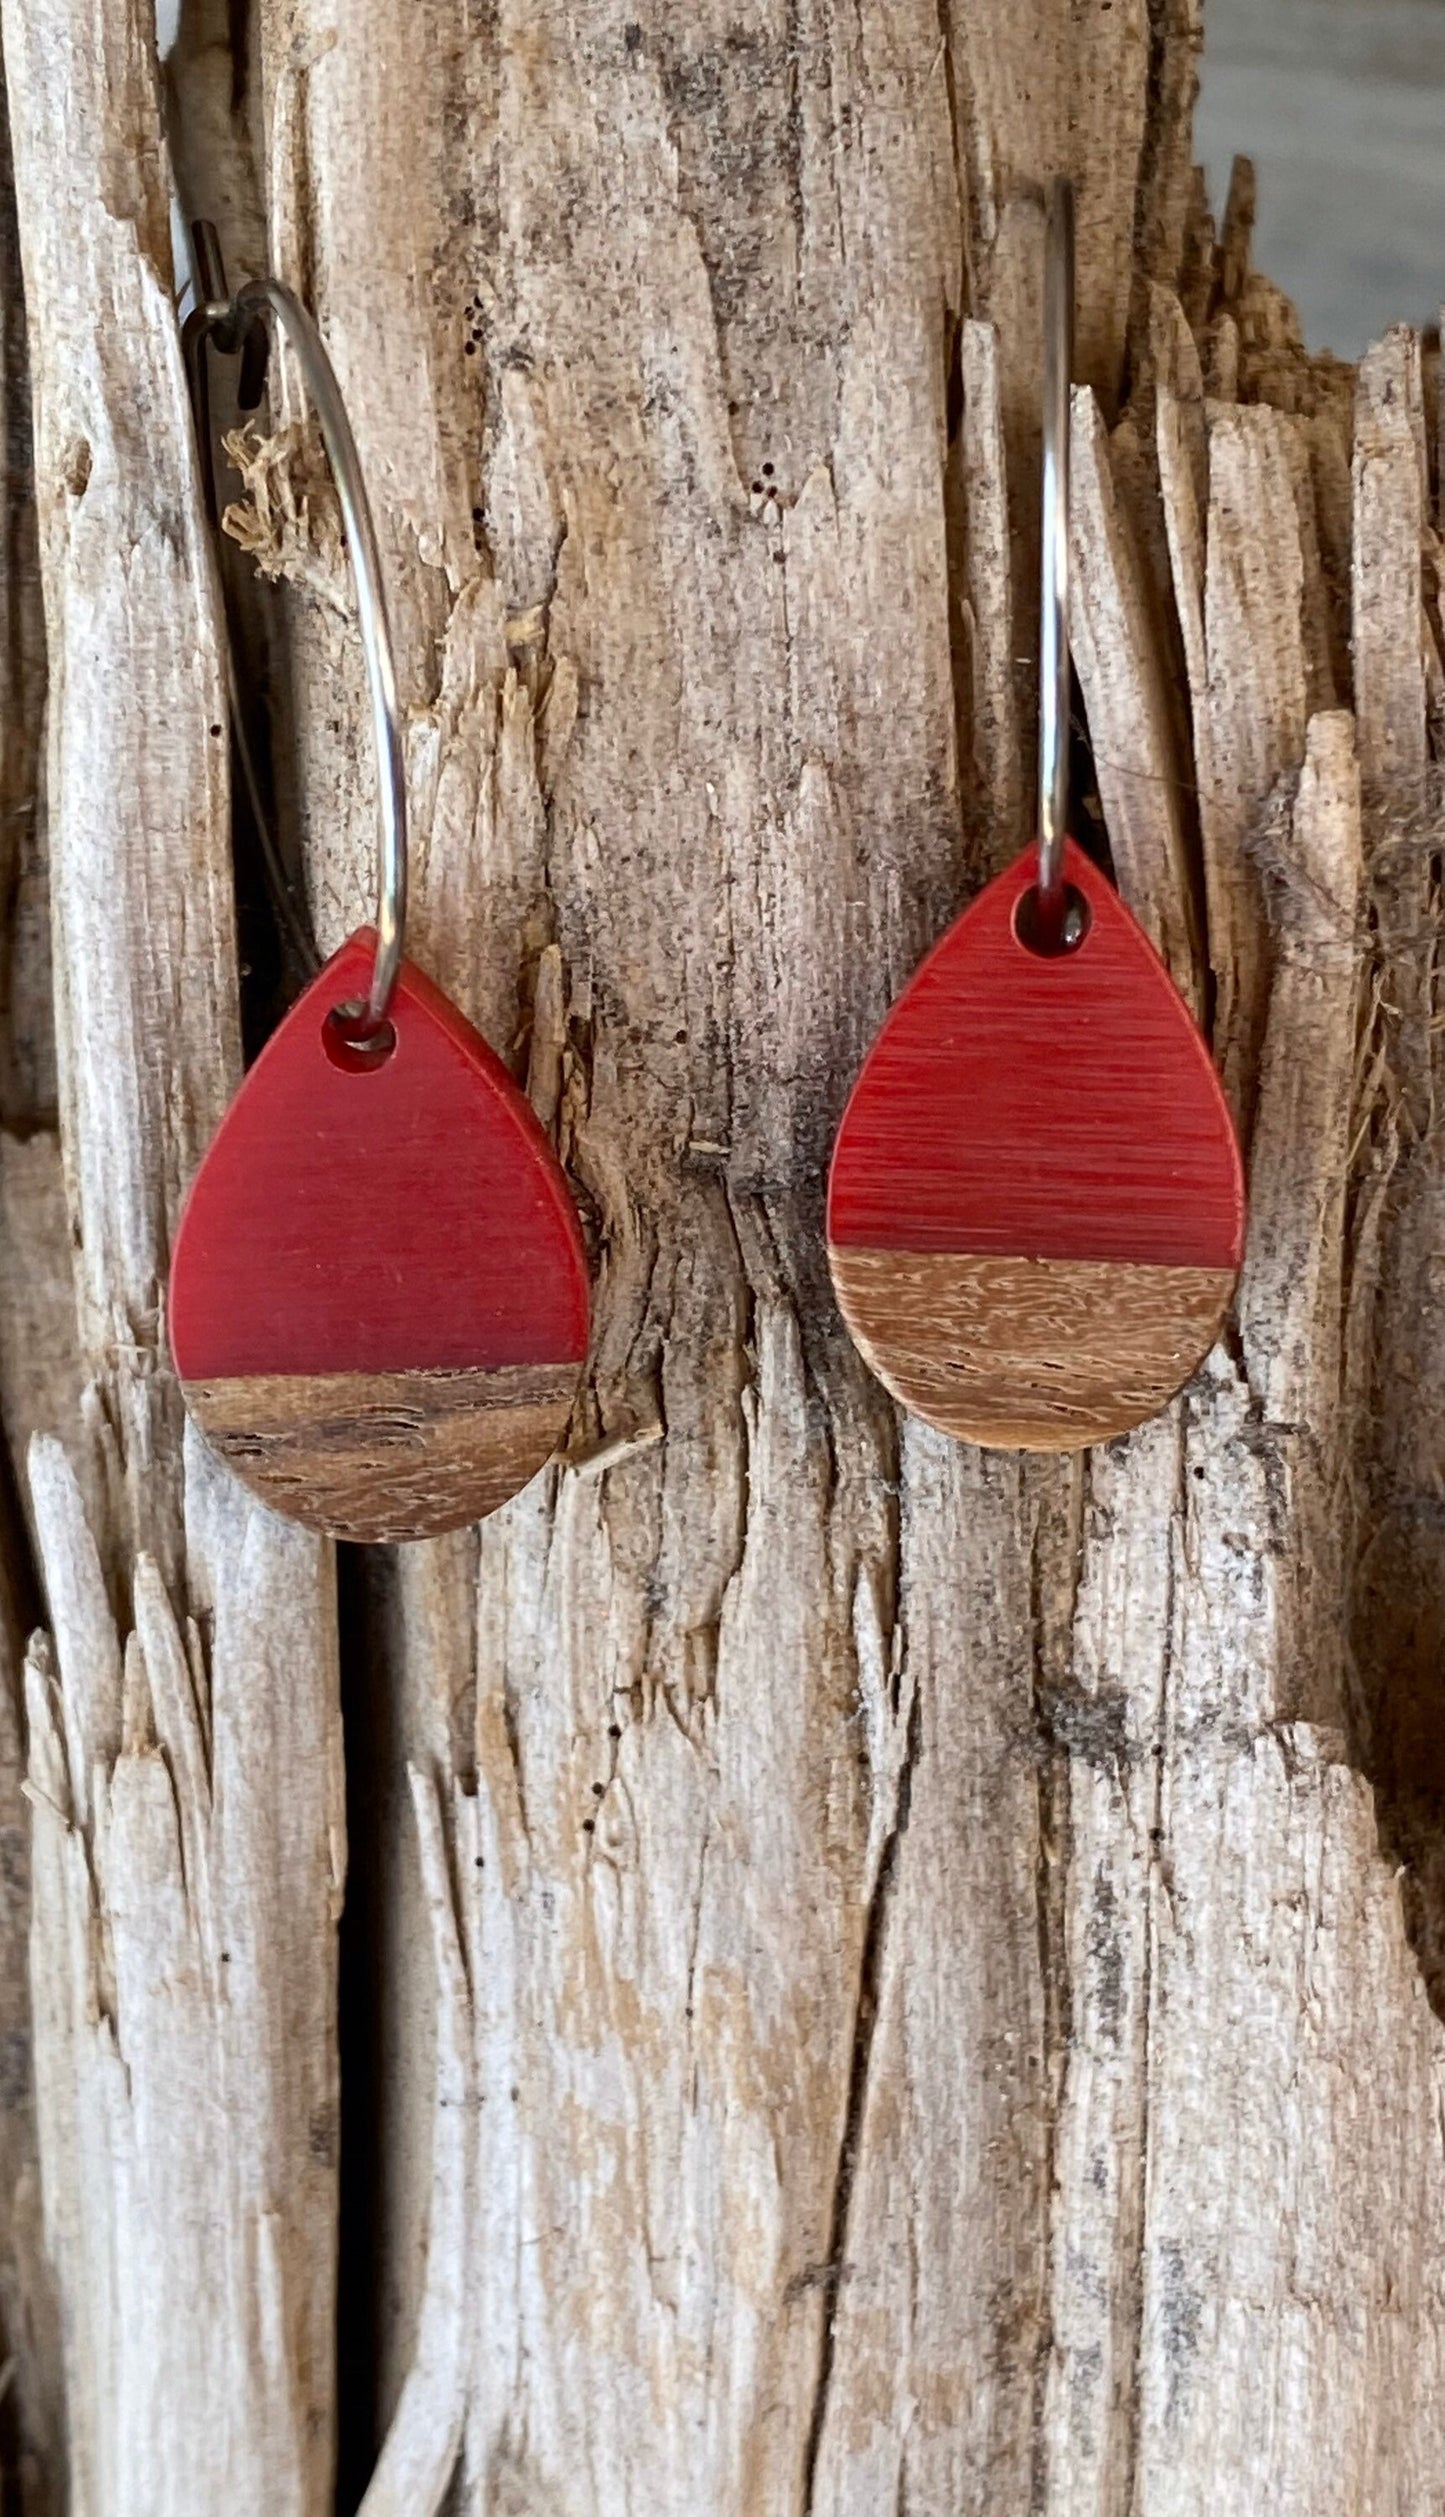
(378, 1301)
(1036, 1202)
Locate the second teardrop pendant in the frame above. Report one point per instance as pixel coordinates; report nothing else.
(1036, 1205)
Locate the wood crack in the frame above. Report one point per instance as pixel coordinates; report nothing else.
(1133, 2410)
(865, 2020)
(1051, 1863)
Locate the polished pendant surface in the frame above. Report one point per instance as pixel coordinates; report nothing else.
(1036, 1205)
(378, 1303)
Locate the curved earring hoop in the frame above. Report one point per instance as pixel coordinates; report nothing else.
(235, 323)
(1054, 607)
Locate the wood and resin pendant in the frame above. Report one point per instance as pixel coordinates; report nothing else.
(378, 1302)
(1036, 1206)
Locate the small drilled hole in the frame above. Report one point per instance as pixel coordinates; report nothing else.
(353, 1041)
(1055, 932)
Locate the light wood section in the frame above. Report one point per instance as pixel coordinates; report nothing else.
(378, 1457)
(892, 1988)
(1028, 1354)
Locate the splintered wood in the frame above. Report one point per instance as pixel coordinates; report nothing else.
(892, 1985)
(184, 1737)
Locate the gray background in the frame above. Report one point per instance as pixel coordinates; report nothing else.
(1341, 104)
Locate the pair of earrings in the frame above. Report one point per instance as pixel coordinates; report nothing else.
(378, 1303)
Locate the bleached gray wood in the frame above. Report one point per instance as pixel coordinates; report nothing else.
(184, 1772)
(831, 2176)
(1250, 711)
(1121, 665)
(1391, 488)
(892, 1992)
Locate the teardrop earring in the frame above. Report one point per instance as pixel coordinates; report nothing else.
(378, 1300)
(1036, 1202)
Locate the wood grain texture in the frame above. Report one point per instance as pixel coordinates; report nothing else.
(1122, 656)
(1251, 710)
(1028, 1354)
(378, 1457)
(862, 1897)
(1391, 491)
(182, 1714)
(911, 2260)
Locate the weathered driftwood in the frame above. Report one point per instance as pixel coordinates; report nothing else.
(183, 1730)
(888, 1989)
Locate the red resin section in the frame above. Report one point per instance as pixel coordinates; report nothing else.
(406, 1217)
(1033, 1107)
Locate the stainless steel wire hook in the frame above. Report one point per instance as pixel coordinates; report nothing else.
(237, 325)
(1054, 607)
